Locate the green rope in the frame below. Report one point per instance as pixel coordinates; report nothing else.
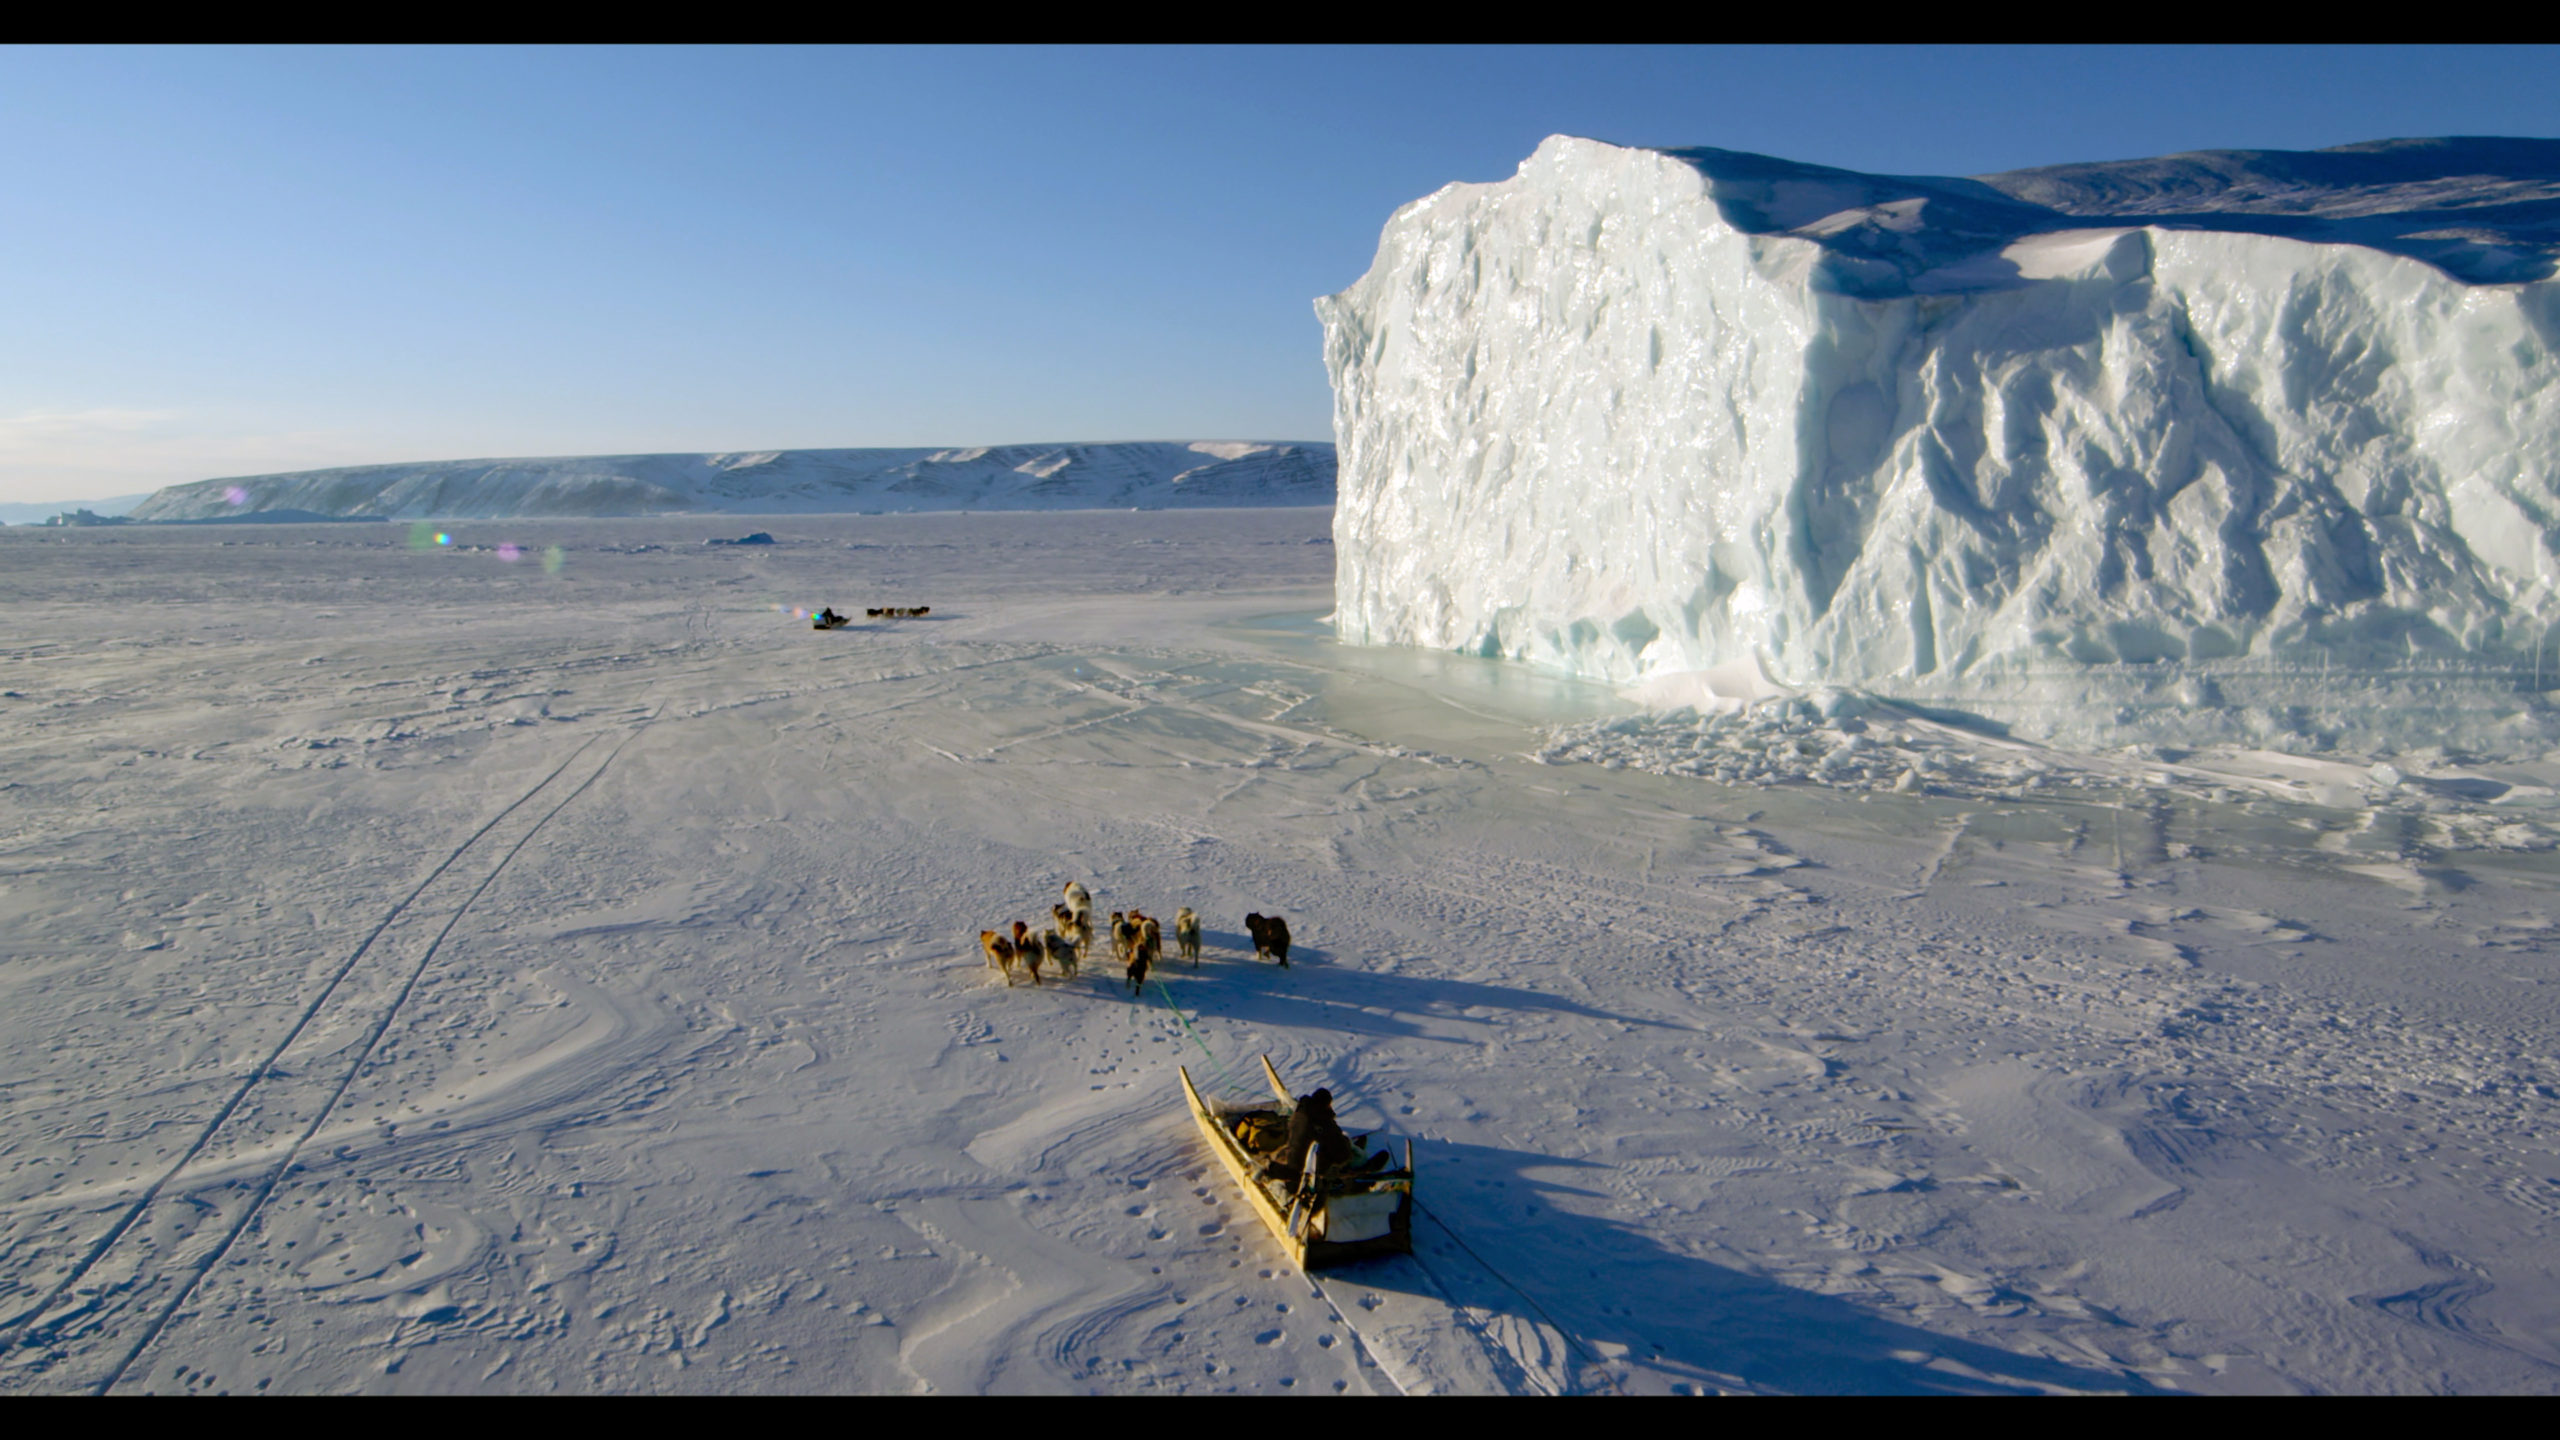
(1205, 1051)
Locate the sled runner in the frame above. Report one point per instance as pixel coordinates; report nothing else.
(1329, 1214)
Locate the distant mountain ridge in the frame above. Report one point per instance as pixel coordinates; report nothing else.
(1140, 474)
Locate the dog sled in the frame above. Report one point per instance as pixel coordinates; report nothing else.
(1329, 1215)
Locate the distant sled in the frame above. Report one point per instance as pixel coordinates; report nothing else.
(1319, 1220)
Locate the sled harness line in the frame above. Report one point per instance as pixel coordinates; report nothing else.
(1221, 1072)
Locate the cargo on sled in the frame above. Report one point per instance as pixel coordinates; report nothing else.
(1336, 1209)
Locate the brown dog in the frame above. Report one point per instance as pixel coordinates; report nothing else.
(1124, 936)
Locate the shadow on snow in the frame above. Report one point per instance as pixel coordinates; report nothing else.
(1611, 1285)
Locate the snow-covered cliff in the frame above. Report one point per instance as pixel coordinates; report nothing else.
(2230, 445)
(1004, 477)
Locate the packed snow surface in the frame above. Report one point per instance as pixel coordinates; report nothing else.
(2243, 447)
(542, 962)
(1148, 475)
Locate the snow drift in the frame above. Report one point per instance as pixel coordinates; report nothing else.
(1003, 477)
(2235, 445)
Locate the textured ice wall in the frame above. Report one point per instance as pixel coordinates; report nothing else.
(2123, 481)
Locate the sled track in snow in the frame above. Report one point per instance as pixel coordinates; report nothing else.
(364, 1052)
(98, 1250)
(1573, 1343)
(26, 1326)
(1513, 1372)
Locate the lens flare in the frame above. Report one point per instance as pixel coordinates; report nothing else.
(510, 552)
(552, 559)
(443, 539)
(233, 494)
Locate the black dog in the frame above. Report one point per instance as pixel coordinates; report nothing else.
(1270, 937)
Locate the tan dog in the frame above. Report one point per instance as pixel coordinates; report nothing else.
(1124, 936)
(1151, 938)
(1076, 927)
(999, 952)
(1186, 935)
(1062, 953)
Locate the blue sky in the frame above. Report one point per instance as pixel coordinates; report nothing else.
(227, 261)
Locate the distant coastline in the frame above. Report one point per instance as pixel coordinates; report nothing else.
(1126, 475)
(39, 512)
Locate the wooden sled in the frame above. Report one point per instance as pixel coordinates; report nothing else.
(1320, 1219)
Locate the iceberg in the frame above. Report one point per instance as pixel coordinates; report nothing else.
(2244, 446)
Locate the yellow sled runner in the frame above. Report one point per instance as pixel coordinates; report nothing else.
(1322, 1218)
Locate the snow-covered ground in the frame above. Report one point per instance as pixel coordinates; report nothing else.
(424, 971)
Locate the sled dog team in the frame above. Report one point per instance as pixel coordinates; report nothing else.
(1137, 940)
(828, 619)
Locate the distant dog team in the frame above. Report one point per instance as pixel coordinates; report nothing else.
(1137, 940)
(828, 619)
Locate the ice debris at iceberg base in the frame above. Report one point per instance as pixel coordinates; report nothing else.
(2225, 447)
(2427, 800)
